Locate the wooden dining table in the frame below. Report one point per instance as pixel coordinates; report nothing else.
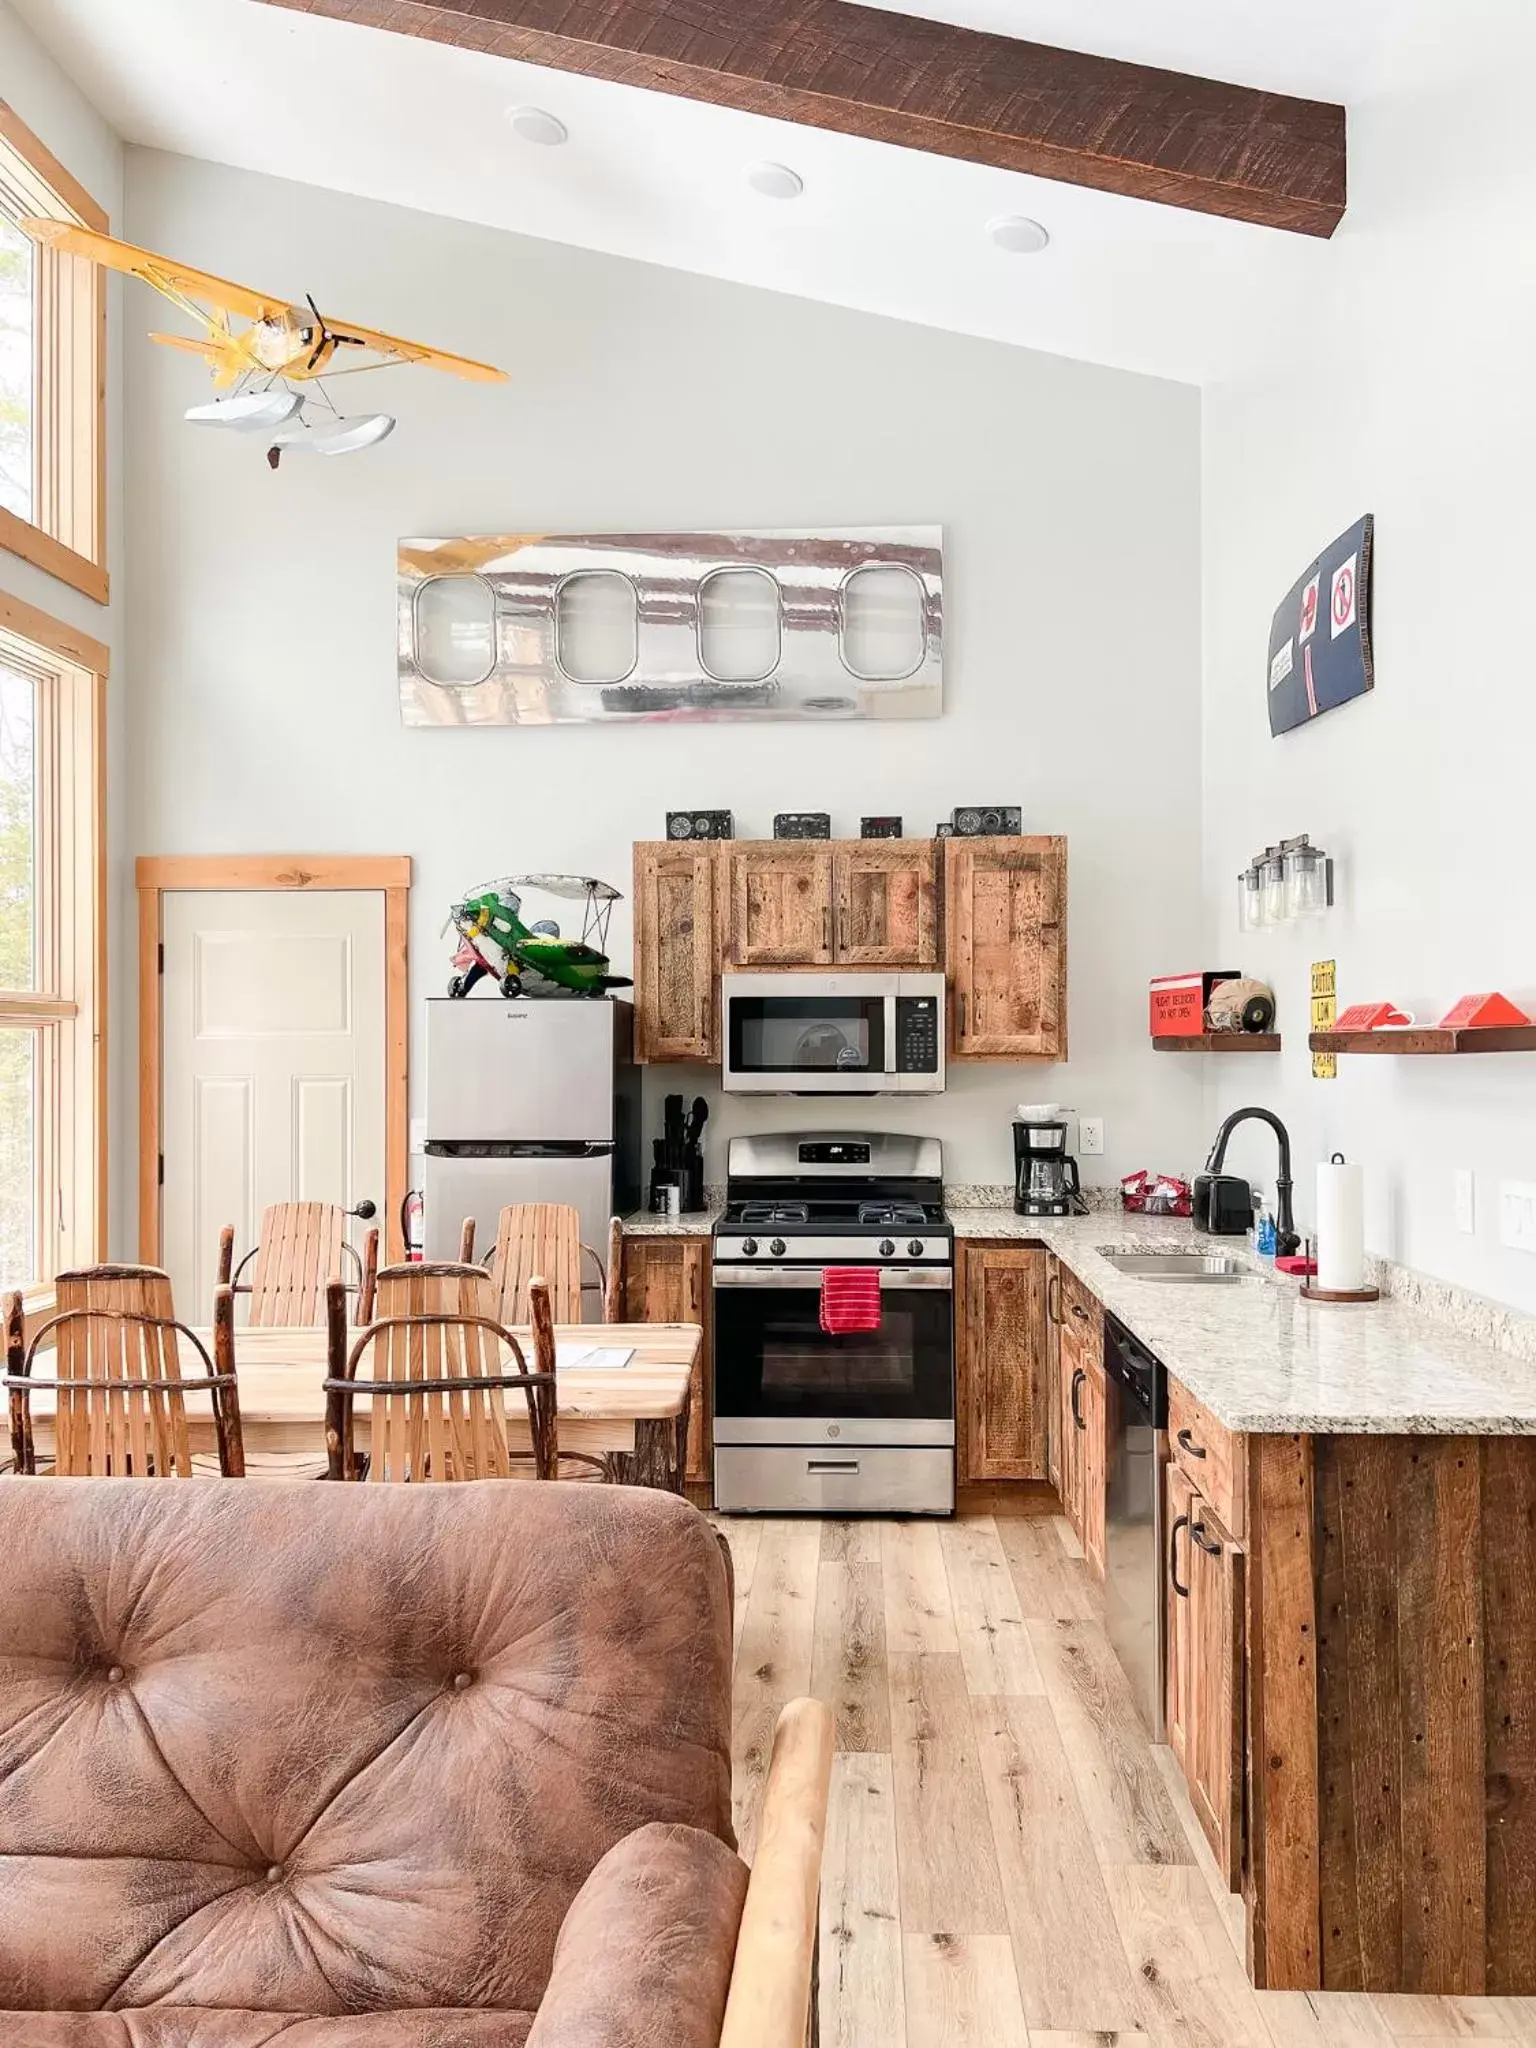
(633, 1418)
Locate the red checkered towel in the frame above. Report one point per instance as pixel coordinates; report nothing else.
(850, 1300)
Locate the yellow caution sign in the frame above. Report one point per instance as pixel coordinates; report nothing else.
(1325, 1010)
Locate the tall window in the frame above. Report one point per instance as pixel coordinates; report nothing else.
(52, 376)
(52, 968)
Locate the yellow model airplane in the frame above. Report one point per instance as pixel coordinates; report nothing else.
(257, 367)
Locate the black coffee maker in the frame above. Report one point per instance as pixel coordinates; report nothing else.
(1045, 1179)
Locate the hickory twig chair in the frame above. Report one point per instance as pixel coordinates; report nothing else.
(441, 1363)
(544, 1238)
(119, 1392)
(301, 1248)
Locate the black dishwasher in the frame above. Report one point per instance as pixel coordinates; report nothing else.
(1137, 1420)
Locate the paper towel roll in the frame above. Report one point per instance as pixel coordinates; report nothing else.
(1340, 1227)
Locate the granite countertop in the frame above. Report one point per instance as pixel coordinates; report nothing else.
(692, 1223)
(1261, 1358)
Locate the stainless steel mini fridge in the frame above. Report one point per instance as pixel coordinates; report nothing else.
(536, 1100)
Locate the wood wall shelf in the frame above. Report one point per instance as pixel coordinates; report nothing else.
(1220, 1041)
(1402, 1043)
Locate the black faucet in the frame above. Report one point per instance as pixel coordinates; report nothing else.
(1286, 1238)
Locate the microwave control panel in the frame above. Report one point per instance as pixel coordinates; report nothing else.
(917, 1035)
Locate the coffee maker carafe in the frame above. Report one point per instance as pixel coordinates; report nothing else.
(1045, 1179)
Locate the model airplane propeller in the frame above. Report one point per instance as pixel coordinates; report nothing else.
(259, 365)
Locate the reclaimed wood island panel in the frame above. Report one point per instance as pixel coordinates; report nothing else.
(1392, 1713)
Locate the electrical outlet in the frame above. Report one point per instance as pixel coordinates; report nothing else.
(1090, 1136)
(1517, 1215)
(1466, 1201)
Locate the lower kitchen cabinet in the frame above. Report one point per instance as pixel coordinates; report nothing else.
(1204, 1581)
(1001, 1352)
(1076, 1327)
(666, 1280)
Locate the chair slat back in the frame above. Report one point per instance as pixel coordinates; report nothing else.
(540, 1239)
(435, 1323)
(101, 1432)
(299, 1252)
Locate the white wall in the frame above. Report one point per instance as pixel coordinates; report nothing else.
(56, 112)
(1406, 389)
(262, 607)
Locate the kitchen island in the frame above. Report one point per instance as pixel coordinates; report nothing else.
(1352, 1643)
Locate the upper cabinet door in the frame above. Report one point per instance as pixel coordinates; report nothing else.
(1006, 934)
(676, 952)
(779, 897)
(887, 912)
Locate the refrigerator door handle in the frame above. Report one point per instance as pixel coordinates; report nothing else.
(508, 1148)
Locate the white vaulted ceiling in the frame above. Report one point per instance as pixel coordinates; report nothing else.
(661, 179)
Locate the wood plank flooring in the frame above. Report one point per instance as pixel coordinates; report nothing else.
(1010, 1862)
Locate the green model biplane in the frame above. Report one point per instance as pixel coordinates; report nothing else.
(494, 940)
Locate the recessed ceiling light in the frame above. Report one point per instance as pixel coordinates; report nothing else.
(532, 124)
(1018, 235)
(775, 181)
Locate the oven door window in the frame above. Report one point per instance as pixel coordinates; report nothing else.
(792, 1034)
(773, 1359)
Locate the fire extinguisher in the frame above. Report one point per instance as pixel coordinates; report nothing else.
(412, 1210)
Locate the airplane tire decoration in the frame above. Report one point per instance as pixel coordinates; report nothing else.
(259, 365)
(494, 941)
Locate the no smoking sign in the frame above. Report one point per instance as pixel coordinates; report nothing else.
(1342, 609)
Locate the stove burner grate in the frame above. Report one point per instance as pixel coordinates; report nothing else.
(892, 1215)
(761, 1215)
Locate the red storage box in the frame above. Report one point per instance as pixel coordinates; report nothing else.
(1178, 1002)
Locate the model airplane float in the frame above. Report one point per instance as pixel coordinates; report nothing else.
(494, 939)
(259, 366)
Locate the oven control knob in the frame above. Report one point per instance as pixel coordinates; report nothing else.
(777, 1247)
(887, 1249)
(749, 1246)
(916, 1248)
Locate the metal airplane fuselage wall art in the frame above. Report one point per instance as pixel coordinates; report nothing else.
(562, 629)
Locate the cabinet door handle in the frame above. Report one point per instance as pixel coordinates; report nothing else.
(831, 1464)
(826, 930)
(1053, 1299)
(1173, 1557)
(1197, 1534)
(1187, 1444)
(1077, 1380)
(842, 927)
(960, 997)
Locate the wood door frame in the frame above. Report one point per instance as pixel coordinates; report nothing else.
(385, 874)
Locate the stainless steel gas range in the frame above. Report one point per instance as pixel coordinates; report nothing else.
(804, 1421)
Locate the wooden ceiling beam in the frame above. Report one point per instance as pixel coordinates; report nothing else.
(956, 92)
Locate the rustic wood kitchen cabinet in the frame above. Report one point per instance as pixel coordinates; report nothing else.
(778, 896)
(1005, 921)
(886, 902)
(677, 952)
(1001, 1361)
(1203, 1613)
(666, 1280)
(1082, 1412)
(991, 913)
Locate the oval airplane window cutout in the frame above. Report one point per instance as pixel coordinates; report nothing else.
(455, 630)
(597, 626)
(739, 627)
(884, 623)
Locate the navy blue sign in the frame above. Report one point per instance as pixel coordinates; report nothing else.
(1320, 642)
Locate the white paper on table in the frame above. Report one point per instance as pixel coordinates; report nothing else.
(593, 1357)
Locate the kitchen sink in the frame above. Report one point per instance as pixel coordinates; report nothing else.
(1200, 1268)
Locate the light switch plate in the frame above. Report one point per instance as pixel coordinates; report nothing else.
(1090, 1136)
(1517, 1215)
(1466, 1200)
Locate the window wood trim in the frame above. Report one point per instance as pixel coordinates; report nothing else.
(386, 874)
(73, 956)
(72, 296)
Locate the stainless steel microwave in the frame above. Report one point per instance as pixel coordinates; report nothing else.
(832, 1034)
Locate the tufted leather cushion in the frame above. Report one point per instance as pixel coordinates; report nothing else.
(324, 1750)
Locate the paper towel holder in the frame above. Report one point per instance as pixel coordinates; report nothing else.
(1311, 1293)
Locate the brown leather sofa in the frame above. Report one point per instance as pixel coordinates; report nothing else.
(385, 1767)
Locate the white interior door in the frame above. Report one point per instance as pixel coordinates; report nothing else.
(273, 1071)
